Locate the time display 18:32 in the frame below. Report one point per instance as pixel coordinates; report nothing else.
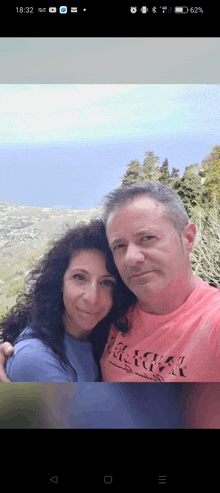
(25, 10)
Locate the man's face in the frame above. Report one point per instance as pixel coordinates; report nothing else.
(146, 247)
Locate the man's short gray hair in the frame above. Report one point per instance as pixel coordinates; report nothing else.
(175, 211)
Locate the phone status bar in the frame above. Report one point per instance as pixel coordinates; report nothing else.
(166, 10)
(144, 9)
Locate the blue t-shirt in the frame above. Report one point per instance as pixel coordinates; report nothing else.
(33, 361)
(96, 404)
(123, 405)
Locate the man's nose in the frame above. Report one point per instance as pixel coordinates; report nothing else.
(134, 255)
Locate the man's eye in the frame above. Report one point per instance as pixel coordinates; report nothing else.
(121, 244)
(117, 247)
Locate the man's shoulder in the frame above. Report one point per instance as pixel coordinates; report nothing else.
(208, 288)
(207, 301)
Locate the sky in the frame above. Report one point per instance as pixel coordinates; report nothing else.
(67, 144)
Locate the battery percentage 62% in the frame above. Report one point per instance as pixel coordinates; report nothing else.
(196, 10)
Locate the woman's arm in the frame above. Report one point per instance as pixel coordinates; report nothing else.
(32, 361)
(6, 350)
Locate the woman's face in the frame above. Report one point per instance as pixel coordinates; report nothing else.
(87, 292)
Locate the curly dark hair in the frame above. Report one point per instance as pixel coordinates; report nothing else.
(43, 308)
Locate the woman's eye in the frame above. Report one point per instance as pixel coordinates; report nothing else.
(109, 283)
(80, 277)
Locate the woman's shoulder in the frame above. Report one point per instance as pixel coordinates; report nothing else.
(29, 347)
(34, 361)
(23, 340)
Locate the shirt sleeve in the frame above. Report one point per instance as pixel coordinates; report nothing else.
(34, 362)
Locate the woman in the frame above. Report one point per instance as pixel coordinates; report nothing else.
(60, 328)
(61, 343)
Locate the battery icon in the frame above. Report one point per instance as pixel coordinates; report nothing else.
(181, 10)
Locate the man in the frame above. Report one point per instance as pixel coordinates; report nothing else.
(174, 327)
(175, 324)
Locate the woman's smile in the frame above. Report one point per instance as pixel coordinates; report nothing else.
(88, 313)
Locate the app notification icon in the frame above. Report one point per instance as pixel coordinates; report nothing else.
(63, 10)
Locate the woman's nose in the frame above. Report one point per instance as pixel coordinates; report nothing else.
(92, 294)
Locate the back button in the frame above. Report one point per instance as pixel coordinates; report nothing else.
(54, 479)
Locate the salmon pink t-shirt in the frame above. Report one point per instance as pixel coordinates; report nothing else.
(182, 346)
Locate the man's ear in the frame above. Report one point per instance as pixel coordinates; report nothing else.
(189, 237)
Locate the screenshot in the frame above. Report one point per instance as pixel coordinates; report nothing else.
(109, 245)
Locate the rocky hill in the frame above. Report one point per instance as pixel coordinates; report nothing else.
(24, 236)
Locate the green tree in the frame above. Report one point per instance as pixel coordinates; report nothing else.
(134, 173)
(165, 174)
(151, 171)
(189, 188)
(174, 178)
(167, 178)
(174, 173)
(211, 185)
(147, 171)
